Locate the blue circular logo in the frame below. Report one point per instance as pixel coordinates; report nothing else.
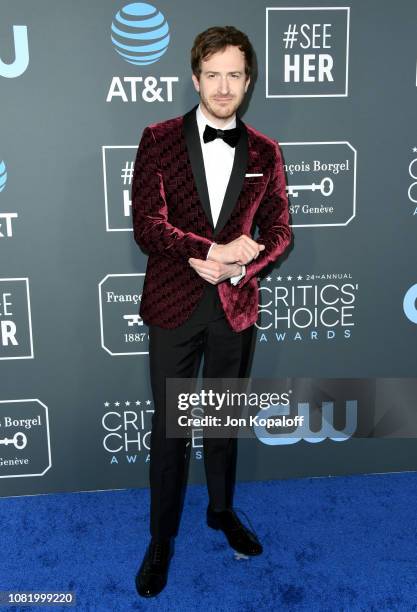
(140, 33)
(3, 175)
(410, 304)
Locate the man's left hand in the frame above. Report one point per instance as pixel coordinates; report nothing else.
(213, 271)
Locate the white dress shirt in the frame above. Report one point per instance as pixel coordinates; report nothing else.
(218, 159)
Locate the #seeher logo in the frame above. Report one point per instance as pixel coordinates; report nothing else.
(140, 33)
(3, 175)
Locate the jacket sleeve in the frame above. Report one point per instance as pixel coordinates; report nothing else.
(152, 231)
(272, 219)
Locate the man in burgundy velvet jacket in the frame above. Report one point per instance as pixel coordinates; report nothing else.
(202, 182)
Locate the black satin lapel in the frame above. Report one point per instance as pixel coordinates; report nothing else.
(195, 154)
(237, 177)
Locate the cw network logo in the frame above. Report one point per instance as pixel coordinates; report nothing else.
(140, 35)
(410, 304)
(303, 431)
(21, 53)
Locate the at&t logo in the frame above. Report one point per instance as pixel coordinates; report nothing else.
(140, 35)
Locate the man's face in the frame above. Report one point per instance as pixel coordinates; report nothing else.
(222, 84)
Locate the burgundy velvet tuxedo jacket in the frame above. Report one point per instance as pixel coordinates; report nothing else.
(172, 218)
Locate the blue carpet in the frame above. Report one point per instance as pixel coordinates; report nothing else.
(341, 543)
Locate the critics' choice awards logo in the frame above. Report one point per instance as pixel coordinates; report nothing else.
(25, 447)
(140, 35)
(127, 430)
(307, 307)
(118, 165)
(123, 331)
(412, 189)
(15, 319)
(321, 179)
(6, 218)
(410, 304)
(307, 52)
(21, 54)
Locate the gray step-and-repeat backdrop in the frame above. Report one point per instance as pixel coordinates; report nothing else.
(336, 86)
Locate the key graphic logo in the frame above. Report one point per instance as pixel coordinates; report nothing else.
(122, 330)
(25, 447)
(321, 179)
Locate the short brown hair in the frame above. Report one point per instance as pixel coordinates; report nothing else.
(216, 39)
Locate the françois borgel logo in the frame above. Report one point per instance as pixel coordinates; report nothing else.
(321, 180)
(123, 332)
(15, 319)
(307, 51)
(302, 307)
(118, 165)
(6, 218)
(140, 35)
(25, 448)
(21, 54)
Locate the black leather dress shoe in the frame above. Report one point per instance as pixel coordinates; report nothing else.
(153, 573)
(240, 538)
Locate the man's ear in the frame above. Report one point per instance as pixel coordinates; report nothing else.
(196, 82)
(247, 84)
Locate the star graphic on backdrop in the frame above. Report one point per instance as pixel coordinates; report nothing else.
(127, 403)
(279, 278)
(148, 402)
(289, 277)
(117, 403)
(414, 149)
(299, 277)
(107, 404)
(137, 403)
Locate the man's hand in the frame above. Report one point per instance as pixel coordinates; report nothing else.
(241, 251)
(213, 271)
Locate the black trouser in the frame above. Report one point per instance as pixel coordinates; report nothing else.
(177, 353)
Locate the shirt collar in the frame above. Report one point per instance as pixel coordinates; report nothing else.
(202, 121)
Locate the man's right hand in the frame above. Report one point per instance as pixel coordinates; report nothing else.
(241, 250)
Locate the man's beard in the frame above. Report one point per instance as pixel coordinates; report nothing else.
(221, 112)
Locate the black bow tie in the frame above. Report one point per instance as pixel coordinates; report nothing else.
(229, 136)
